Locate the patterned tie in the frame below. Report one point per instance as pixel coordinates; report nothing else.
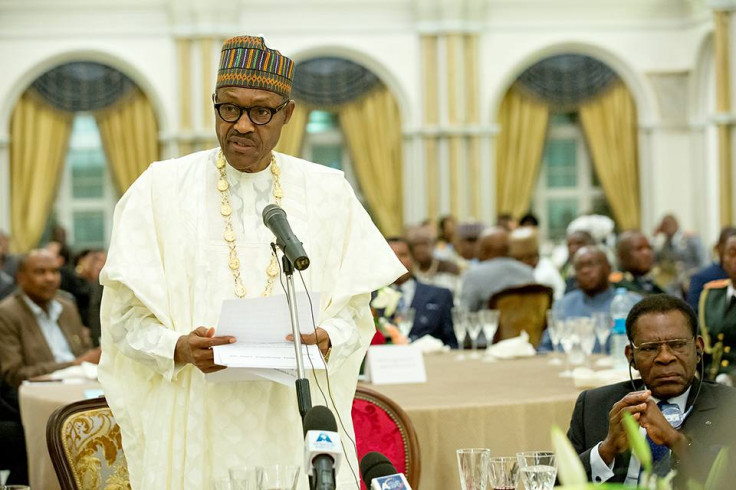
(661, 453)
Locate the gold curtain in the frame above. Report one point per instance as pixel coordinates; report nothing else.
(372, 127)
(609, 123)
(39, 139)
(519, 147)
(292, 135)
(129, 135)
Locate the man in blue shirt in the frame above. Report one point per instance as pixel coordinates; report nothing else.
(594, 293)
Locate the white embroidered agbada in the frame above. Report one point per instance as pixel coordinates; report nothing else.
(167, 273)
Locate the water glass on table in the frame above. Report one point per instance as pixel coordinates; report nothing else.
(459, 325)
(489, 324)
(246, 477)
(473, 327)
(280, 477)
(554, 330)
(603, 325)
(538, 469)
(472, 465)
(406, 322)
(503, 473)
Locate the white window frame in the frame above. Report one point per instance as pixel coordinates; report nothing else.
(66, 205)
(333, 137)
(585, 193)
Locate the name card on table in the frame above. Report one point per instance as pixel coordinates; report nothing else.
(395, 364)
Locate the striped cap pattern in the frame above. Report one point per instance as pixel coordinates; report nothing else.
(245, 61)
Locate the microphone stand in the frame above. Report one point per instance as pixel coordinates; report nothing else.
(303, 395)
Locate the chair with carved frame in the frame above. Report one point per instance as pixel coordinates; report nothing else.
(85, 446)
(382, 425)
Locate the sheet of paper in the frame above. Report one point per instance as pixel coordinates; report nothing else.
(261, 351)
(265, 320)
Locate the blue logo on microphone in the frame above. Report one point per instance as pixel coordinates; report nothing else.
(323, 437)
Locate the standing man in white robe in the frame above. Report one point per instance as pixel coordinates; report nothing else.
(188, 235)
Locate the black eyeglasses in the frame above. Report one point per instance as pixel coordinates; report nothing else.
(258, 115)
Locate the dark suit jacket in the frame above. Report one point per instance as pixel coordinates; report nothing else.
(24, 352)
(709, 426)
(713, 272)
(433, 314)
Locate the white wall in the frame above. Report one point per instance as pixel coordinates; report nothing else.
(637, 38)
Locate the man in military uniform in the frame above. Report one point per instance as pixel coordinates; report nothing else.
(635, 259)
(718, 319)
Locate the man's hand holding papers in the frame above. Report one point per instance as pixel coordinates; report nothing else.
(196, 348)
(264, 347)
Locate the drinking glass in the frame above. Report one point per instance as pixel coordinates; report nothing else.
(503, 473)
(473, 326)
(406, 322)
(603, 326)
(586, 330)
(538, 469)
(489, 324)
(570, 341)
(280, 477)
(553, 330)
(246, 477)
(459, 326)
(472, 464)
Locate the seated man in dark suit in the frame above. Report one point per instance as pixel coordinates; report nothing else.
(665, 348)
(432, 305)
(40, 332)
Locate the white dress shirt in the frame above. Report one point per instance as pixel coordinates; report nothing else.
(49, 325)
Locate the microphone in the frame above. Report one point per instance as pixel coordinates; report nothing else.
(322, 452)
(379, 474)
(274, 218)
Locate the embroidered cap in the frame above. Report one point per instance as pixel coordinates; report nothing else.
(245, 61)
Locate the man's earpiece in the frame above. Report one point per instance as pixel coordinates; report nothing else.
(632, 362)
(699, 355)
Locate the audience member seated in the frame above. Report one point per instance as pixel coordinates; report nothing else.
(679, 255)
(432, 305)
(444, 248)
(427, 268)
(718, 318)
(665, 348)
(467, 243)
(595, 293)
(529, 220)
(495, 272)
(636, 259)
(712, 272)
(507, 222)
(40, 332)
(524, 247)
(575, 241)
